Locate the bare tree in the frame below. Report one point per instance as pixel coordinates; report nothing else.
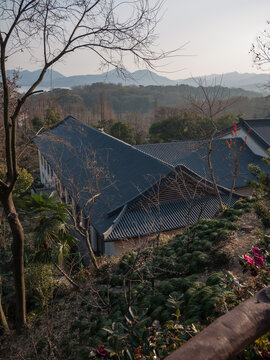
(261, 49)
(211, 104)
(108, 28)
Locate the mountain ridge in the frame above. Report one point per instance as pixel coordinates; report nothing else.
(246, 81)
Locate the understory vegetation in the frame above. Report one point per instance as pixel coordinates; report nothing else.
(143, 305)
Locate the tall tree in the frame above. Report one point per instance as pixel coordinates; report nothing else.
(108, 28)
(210, 105)
(123, 132)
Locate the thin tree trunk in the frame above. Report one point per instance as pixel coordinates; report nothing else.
(66, 276)
(18, 258)
(212, 174)
(235, 175)
(91, 252)
(3, 318)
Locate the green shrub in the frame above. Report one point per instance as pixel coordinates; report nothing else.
(188, 294)
(223, 234)
(214, 279)
(186, 258)
(157, 299)
(206, 245)
(263, 212)
(231, 226)
(202, 303)
(39, 282)
(239, 205)
(82, 354)
(221, 258)
(165, 287)
(116, 280)
(165, 316)
(156, 313)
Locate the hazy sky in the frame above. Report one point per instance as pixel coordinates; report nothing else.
(218, 36)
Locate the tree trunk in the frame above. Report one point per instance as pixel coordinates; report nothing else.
(3, 319)
(91, 252)
(18, 258)
(66, 276)
(235, 175)
(212, 174)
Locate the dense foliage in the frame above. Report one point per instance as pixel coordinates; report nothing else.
(138, 106)
(186, 126)
(152, 302)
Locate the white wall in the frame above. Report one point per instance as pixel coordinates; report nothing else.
(47, 175)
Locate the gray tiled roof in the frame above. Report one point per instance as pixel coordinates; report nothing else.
(259, 129)
(147, 217)
(193, 154)
(88, 162)
(80, 155)
(165, 216)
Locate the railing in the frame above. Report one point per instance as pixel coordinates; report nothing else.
(230, 334)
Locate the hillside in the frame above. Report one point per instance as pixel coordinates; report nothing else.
(115, 100)
(179, 285)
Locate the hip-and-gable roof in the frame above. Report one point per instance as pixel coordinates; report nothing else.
(115, 183)
(91, 163)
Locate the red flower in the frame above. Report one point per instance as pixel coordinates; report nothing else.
(256, 250)
(248, 259)
(101, 351)
(258, 259)
(245, 139)
(235, 128)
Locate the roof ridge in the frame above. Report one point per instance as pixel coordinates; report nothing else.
(257, 135)
(115, 139)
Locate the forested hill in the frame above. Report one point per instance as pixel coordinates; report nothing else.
(140, 99)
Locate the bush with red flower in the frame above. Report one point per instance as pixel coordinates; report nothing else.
(253, 261)
(101, 351)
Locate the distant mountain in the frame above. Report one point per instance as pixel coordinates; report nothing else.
(247, 81)
(27, 78)
(56, 79)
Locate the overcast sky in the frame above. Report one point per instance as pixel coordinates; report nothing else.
(218, 36)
